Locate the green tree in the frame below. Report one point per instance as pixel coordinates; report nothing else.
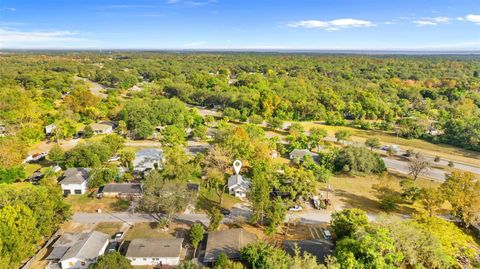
(461, 189)
(342, 135)
(111, 260)
(316, 137)
(304, 261)
(100, 176)
(264, 256)
(275, 123)
(56, 154)
(88, 131)
(224, 263)
(358, 160)
(348, 221)
(196, 235)
(126, 157)
(173, 135)
(215, 217)
(114, 141)
(164, 198)
(431, 199)
(275, 215)
(200, 132)
(372, 142)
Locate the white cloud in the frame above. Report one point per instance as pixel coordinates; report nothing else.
(432, 21)
(332, 25)
(8, 8)
(424, 22)
(40, 39)
(471, 18)
(195, 44)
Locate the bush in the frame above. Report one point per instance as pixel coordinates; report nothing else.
(358, 159)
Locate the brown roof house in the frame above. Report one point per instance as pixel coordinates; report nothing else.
(229, 242)
(154, 252)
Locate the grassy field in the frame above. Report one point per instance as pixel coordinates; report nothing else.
(206, 198)
(150, 230)
(358, 192)
(442, 150)
(109, 228)
(83, 203)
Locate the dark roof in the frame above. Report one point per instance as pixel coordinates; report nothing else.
(229, 242)
(193, 186)
(152, 247)
(124, 188)
(75, 176)
(318, 248)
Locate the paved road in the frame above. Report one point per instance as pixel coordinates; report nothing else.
(402, 168)
(131, 218)
(95, 88)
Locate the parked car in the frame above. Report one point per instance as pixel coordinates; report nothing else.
(295, 208)
(118, 236)
(225, 212)
(113, 246)
(326, 234)
(114, 159)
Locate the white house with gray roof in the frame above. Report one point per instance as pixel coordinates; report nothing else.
(238, 186)
(154, 252)
(147, 159)
(74, 181)
(78, 250)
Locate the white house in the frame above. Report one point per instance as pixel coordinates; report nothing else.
(154, 252)
(78, 250)
(50, 128)
(147, 159)
(301, 153)
(74, 181)
(102, 127)
(238, 186)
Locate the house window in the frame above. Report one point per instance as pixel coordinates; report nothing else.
(66, 192)
(78, 191)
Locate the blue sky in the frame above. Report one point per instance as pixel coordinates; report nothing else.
(241, 24)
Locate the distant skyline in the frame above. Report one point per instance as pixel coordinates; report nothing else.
(430, 25)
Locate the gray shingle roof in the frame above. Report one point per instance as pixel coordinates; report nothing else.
(124, 188)
(151, 247)
(238, 181)
(87, 246)
(300, 153)
(145, 158)
(75, 176)
(229, 242)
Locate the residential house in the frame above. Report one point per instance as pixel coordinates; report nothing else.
(229, 242)
(154, 252)
(78, 250)
(301, 153)
(123, 190)
(147, 159)
(50, 128)
(102, 127)
(238, 186)
(74, 181)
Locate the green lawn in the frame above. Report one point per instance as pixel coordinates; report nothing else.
(147, 230)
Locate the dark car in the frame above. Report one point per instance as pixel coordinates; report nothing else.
(225, 211)
(113, 246)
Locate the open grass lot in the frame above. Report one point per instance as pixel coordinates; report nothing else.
(151, 230)
(442, 150)
(83, 203)
(207, 197)
(358, 192)
(109, 228)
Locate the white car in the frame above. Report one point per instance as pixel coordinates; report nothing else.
(326, 234)
(295, 208)
(114, 159)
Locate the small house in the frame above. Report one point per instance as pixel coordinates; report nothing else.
(147, 159)
(50, 128)
(102, 127)
(301, 153)
(229, 242)
(78, 251)
(238, 186)
(123, 190)
(154, 252)
(74, 181)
